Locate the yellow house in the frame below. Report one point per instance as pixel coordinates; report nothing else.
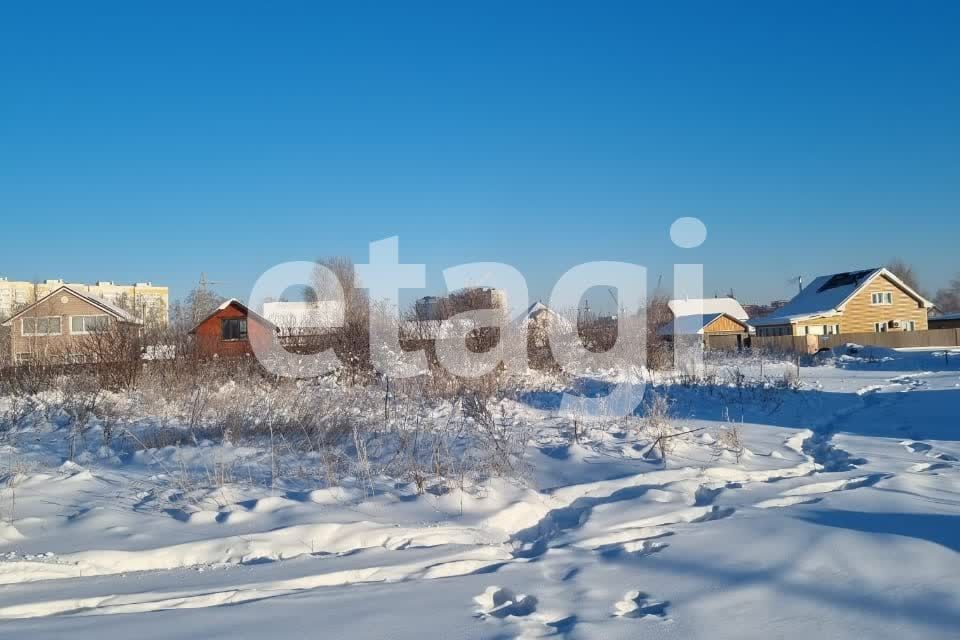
(872, 300)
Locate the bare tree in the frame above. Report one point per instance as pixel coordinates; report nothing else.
(199, 303)
(905, 272)
(351, 341)
(948, 298)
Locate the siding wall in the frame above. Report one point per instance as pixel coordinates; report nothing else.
(64, 305)
(723, 324)
(208, 335)
(859, 315)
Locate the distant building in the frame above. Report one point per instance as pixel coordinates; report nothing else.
(304, 318)
(52, 330)
(945, 321)
(709, 318)
(761, 310)
(467, 299)
(429, 308)
(232, 330)
(147, 302)
(539, 321)
(871, 300)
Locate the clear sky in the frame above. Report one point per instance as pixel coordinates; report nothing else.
(155, 142)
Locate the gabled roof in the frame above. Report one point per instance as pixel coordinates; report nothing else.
(695, 324)
(537, 309)
(233, 302)
(827, 295)
(707, 306)
(120, 314)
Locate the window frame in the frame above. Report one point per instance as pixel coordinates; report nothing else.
(881, 298)
(243, 329)
(36, 320)
(86, 331)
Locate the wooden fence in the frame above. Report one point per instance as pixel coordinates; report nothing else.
(890, 340)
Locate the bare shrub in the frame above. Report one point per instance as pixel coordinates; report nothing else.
(657, 424)
(79, 395)
(115, 352)
(730, 439)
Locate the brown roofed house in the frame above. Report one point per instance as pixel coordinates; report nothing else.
(57, 328)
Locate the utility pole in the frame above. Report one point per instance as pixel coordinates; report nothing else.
(204, 283)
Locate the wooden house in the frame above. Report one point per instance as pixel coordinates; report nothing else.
(720, 321)
(872, 300)
(231, 331)
(59, 327)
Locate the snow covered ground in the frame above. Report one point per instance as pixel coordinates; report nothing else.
(839, 519)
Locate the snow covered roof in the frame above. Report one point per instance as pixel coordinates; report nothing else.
(536, 310)
(707, 306)
(117, 312)
(826, 296)
(324, 314)
(233, 302)
(433, 329)
(692, 325)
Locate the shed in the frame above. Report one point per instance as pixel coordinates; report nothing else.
(945, 321)
(233, 330)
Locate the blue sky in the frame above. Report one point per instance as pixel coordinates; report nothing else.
(225, 138)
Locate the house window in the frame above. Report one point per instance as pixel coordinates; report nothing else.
(233, 329)
(24, 358)
(881, 297)
(908, 325)
(880, 327)
(45, 326)
(88, 324)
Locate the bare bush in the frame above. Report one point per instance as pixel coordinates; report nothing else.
(115, 351)
(729, 439)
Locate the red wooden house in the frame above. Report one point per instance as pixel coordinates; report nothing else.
(231, 331)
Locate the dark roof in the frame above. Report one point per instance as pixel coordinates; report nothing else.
(845, 279)
(826, 296)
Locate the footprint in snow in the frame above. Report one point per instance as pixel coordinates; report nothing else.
(789, 501)
(922, 467)
(499, 602)
(916, 447)
(634, 548)
(637, 604)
